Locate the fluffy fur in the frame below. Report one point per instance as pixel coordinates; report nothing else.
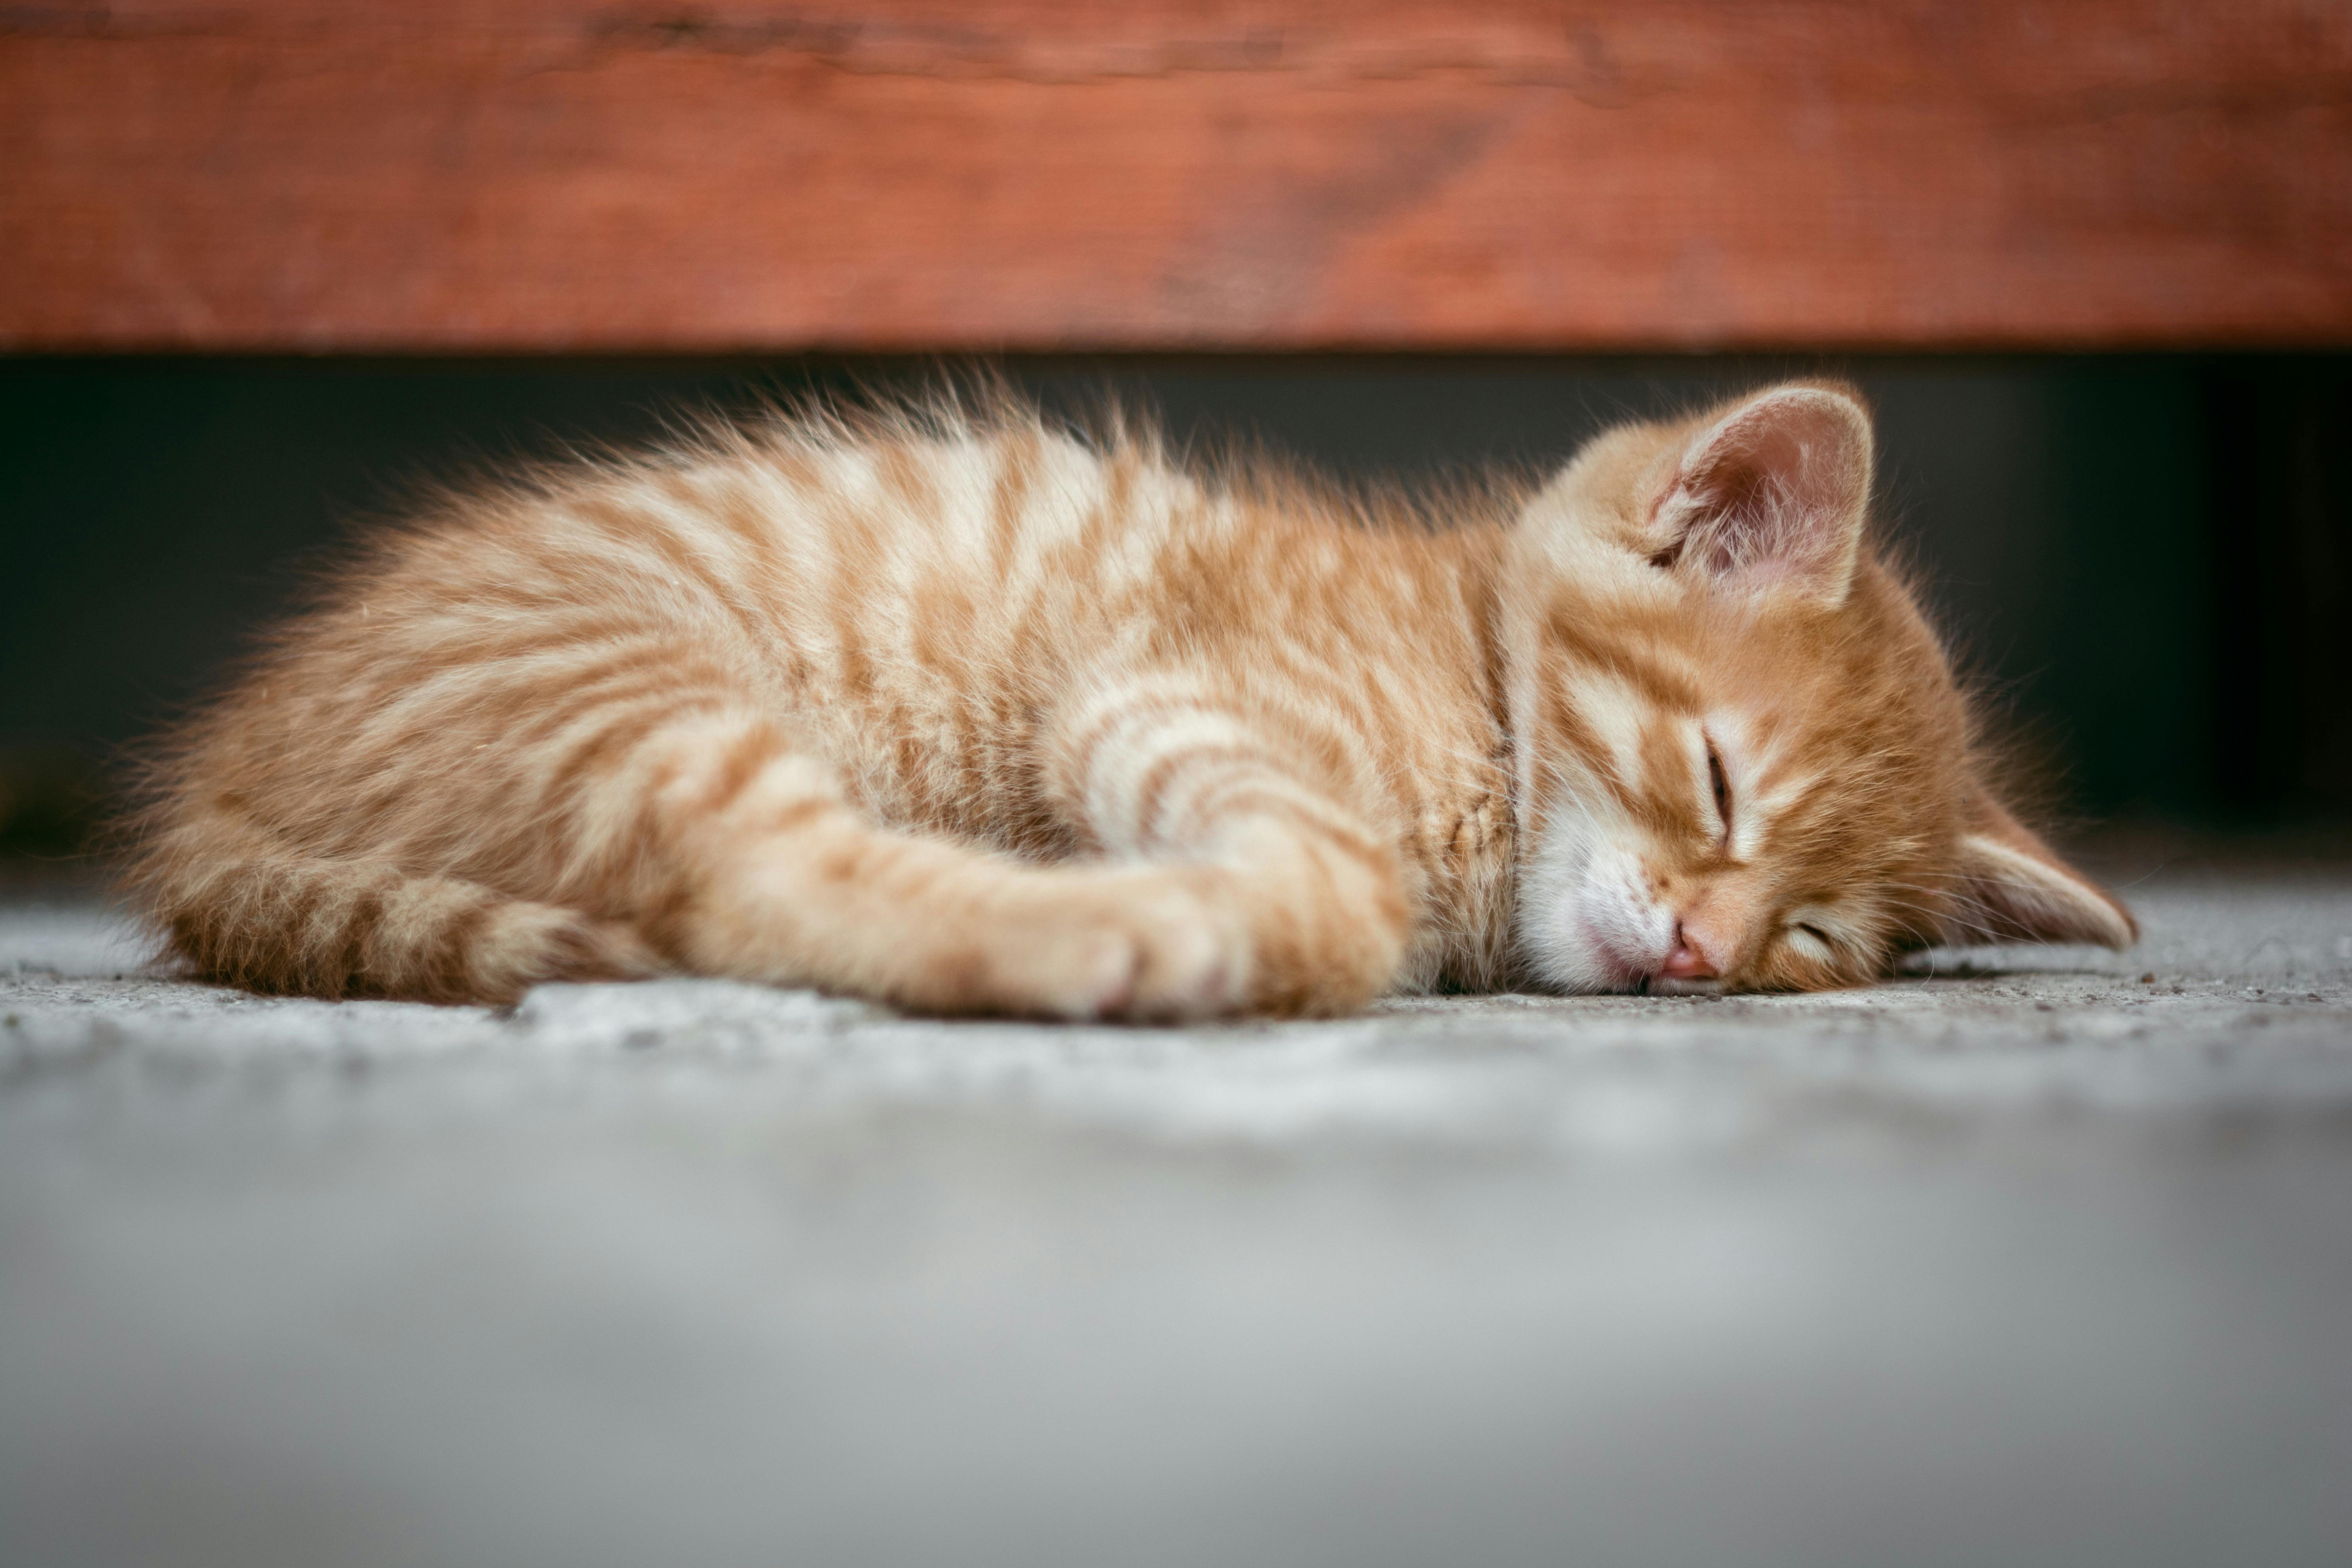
(958, 710)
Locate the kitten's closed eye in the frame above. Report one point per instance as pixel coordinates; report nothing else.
(1720, 781)
(1813, 941)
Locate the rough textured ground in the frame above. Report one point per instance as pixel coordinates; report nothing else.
(2043, 1259)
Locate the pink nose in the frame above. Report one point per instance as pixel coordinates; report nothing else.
(1685, 962)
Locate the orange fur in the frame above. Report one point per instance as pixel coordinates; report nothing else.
(956, 709)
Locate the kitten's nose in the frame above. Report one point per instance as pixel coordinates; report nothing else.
(1685, 962)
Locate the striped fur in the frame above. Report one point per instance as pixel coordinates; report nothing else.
(956, 709)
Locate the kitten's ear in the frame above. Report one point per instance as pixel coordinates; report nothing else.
(1774, 493)
(2013, 887)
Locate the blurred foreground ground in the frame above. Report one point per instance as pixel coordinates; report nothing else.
(2044, 1258)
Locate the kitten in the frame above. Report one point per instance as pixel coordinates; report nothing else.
(956, 711)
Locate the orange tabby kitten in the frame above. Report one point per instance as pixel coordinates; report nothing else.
(958, 711)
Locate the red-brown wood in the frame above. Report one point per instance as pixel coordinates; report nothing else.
(298, 174)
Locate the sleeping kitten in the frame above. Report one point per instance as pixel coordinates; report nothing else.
(955, 709)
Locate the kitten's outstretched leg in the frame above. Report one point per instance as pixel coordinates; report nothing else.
(1238, 882)
(784, 881)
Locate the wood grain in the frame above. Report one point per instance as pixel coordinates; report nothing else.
(560, 174)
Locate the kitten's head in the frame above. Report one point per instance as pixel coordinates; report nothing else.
(1742, 759)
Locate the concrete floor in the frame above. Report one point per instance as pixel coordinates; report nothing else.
(2044, 1258)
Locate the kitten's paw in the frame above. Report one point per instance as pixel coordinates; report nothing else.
(1191, 958)
(1148, 949)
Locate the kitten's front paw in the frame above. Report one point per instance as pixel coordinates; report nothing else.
(1149, 947)
(1191, 958)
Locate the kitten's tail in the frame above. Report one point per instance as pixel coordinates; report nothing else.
(332, 928)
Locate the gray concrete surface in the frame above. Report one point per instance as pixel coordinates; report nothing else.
(2036, 1258)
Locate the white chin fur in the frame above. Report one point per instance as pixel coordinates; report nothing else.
(1587, 921)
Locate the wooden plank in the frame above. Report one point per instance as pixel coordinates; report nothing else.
(565, 175)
